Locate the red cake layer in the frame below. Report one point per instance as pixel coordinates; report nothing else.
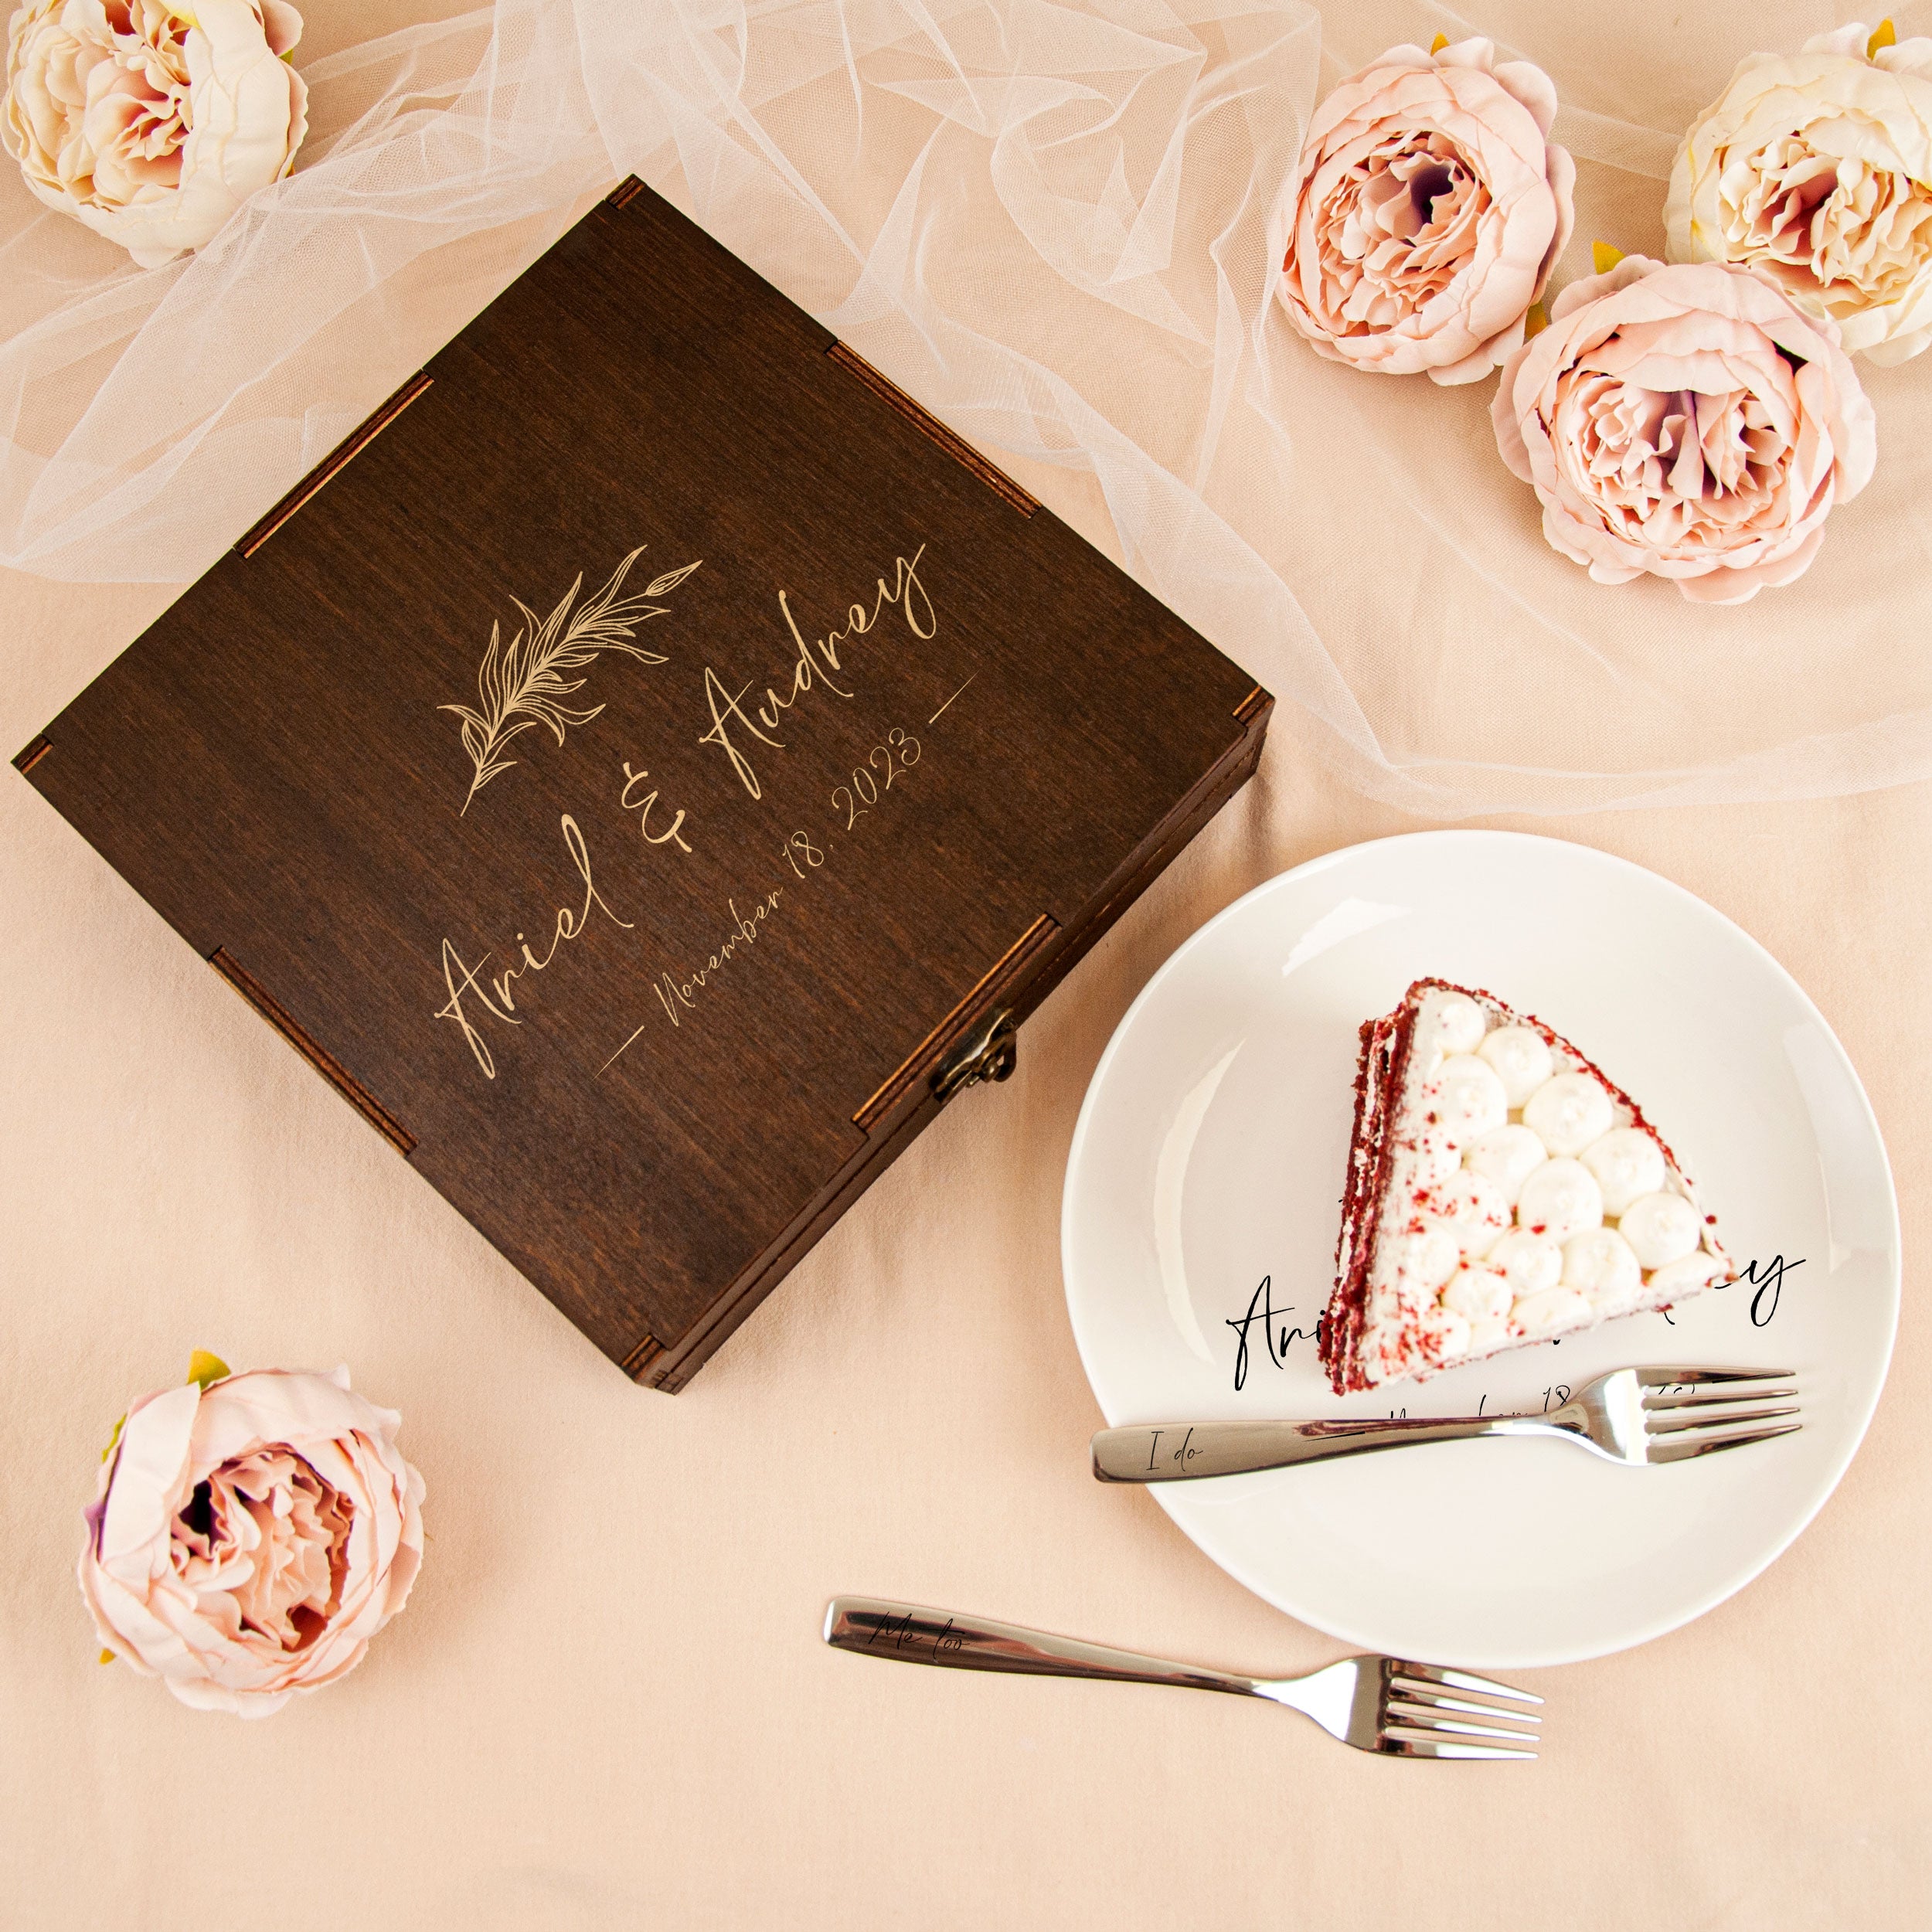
(1378, 1075)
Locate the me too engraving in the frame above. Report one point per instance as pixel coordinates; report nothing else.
(907, 1633)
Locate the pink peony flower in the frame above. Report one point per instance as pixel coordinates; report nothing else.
(250, 1537)
(1815, 169)
(1686, 421)
(152, 122)
(1426, 213)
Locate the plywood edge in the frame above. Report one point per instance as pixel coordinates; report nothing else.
(930, 426)
(318, 1056)
(344, 452)
(637, 1365)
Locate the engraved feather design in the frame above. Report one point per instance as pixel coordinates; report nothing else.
(524, 683)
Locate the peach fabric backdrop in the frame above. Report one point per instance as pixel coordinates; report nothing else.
(607, 1705)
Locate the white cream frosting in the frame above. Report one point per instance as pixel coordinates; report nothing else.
(1507, 1156)
(1522, 1060)
(1523, 1200)
(1560, 1198)
(1600, 1263)
(1479, 1295)
(1471, 1208)
(1568, 1112)
(1468, 1099)
(1532, 1262)
(1662, 1228)
(1456, 1023)
(1627, 1162)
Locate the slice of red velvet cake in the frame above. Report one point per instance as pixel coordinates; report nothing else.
(1500, 1191)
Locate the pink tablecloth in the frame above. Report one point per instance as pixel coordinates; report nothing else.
(607, 1705)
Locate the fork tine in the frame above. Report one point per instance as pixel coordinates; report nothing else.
(1709, 1445)
(1662, 1405)
(1418, 1747)
(1663, 1378)
(1416, 1694)
(1459, 1680)
(1683, 1424)
(1677, 1424)
(1410, 1717)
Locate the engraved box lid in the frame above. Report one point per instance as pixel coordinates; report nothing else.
(647, 768)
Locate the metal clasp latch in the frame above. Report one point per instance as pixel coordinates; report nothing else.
(987, 1053)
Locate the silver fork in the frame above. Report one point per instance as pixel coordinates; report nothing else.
(1374, 1703)
(1636, 1416)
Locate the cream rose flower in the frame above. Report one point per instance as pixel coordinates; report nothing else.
(152, 123)
(1685, 421)
(1815, 169)
(250, 1538)
(1425, 214)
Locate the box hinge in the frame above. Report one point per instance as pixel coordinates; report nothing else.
(990, 1051)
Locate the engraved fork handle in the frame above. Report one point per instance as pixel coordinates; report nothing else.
(1184, 1452)
(912, 1634)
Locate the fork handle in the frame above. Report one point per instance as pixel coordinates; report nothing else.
(912, 1634)
(1186, 1451)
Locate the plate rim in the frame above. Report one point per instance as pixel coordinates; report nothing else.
(1648, 1630)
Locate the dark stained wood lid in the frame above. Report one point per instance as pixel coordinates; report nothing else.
(634, 760)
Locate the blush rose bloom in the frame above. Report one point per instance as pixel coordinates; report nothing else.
(1815, 169)
(1426, 210)
(1685, 422)
(151, 123)
(250, 1538)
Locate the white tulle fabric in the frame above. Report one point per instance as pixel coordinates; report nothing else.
(1053, 223)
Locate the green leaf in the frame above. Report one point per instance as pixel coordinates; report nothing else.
(204, 1368)
(113, 1439)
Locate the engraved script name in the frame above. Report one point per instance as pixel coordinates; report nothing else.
(1274, 1331)
(496, 998)
(734, 729)
(525, 684)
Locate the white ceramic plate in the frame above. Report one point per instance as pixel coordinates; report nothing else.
(1209, 1155)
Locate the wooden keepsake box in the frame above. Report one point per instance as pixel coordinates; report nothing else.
(648, 768)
